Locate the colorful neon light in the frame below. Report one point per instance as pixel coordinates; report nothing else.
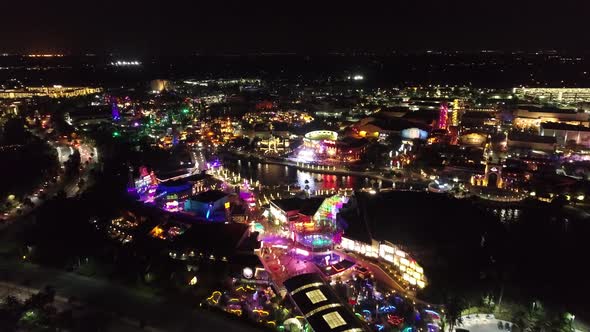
(245, 289)
(261, 312)
(433, 313)
(208, 211)
(395, 320)
(237, 312)
(171, 206)
(215, 296)
(387, 309)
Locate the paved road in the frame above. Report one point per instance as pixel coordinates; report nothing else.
(164, 313)
(382, 277)
(70, 186)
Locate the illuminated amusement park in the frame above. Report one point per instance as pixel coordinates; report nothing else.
(305, 206)
(304, 247)
(245, 203)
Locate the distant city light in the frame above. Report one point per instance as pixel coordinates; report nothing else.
(45, 55)
(125, 63)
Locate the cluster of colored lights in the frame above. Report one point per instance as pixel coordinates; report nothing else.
(443, 116)
(172, 206)
(317, 240)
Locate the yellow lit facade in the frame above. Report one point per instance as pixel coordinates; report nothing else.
(411, 272)
(491, 178)
(565, 95)
(455, 115)
(51, 92)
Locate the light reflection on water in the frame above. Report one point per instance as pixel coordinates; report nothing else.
(273, 175)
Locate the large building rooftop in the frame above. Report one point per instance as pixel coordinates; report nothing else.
(320, 306)
(209, 196)
(307, 206)
(530, 138)
(563, 126)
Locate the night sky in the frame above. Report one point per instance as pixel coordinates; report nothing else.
(185, 27)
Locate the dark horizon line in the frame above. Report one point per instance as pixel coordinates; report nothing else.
(349, 52)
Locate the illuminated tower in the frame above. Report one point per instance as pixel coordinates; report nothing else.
(443, 116)
(115, 109)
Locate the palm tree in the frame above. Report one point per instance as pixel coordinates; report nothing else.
(453, 308)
